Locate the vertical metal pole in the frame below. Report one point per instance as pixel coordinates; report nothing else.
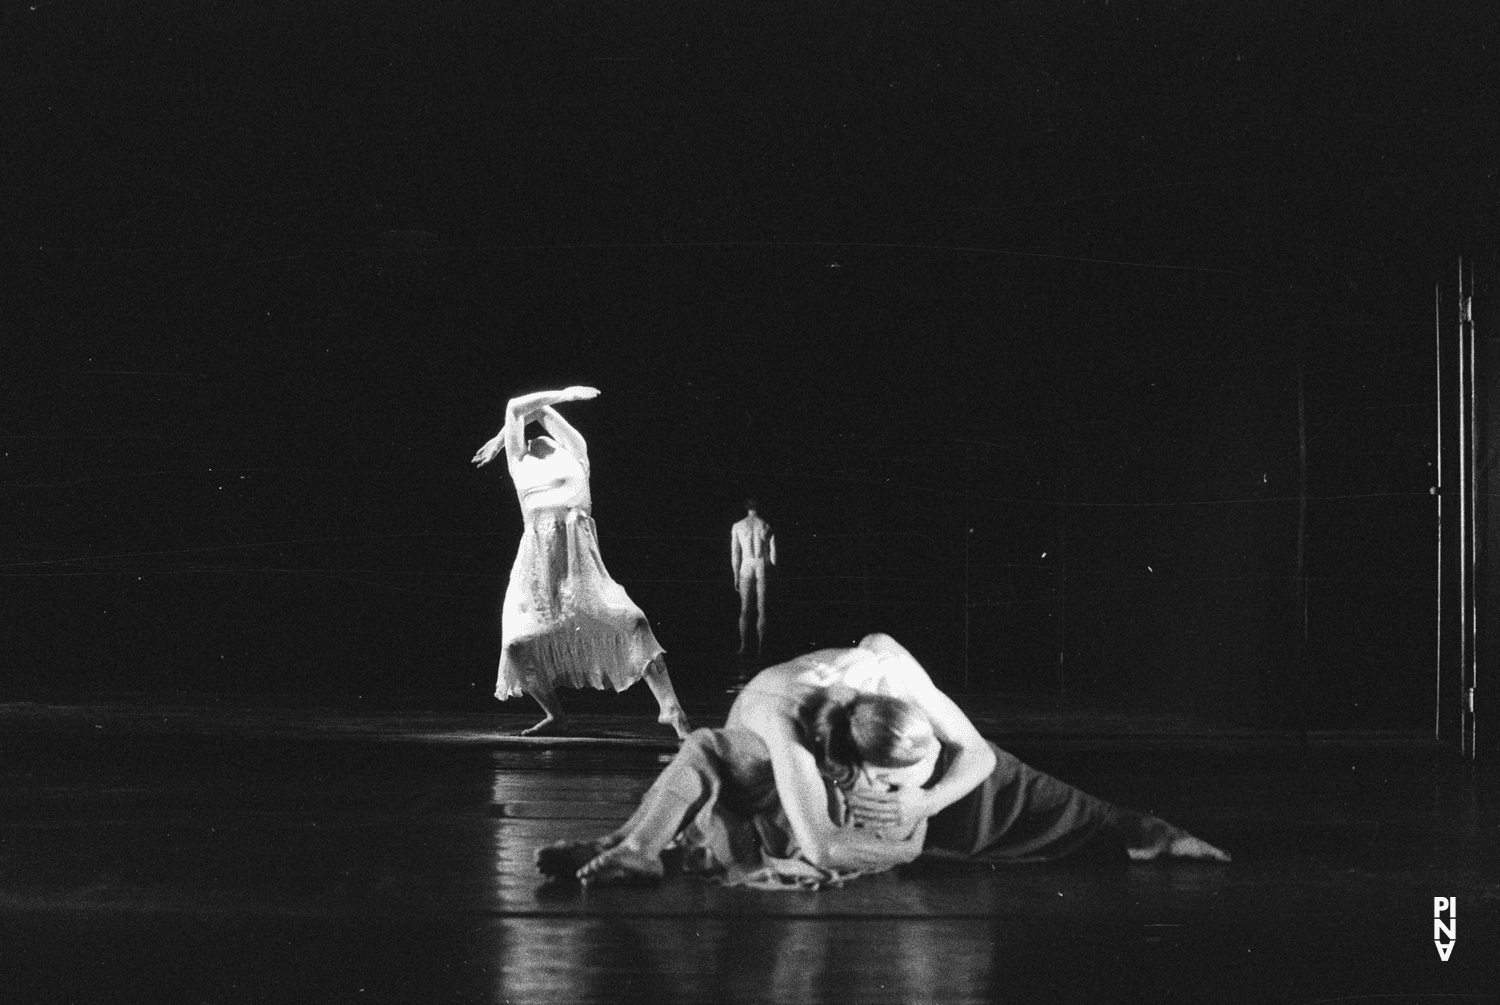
(968, 539)
(1437, 488)
(1301, 664)
(1474, 523)
(1062, 592)
(1463, 499)
(1464, 545)
(1302, 505)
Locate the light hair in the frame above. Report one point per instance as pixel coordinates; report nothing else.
(872, 729)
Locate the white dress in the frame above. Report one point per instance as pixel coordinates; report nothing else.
(564, 620)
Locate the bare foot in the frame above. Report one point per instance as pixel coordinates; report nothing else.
(1187, 846)
(563, 859)
(1159, 838)
(621, 866)
(550, 726)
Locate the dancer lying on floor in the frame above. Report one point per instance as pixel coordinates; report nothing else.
(565, 622)
(847, 761)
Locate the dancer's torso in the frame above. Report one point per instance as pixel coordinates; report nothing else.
(754, 536)
(554, 484)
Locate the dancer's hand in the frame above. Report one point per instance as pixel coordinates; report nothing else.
(488, 452)
(580, 393)
(897, 810)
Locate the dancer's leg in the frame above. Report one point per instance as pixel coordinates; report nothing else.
(636, 857)
(760, 609)
(661, 686)
(632, 852)
(563, 859)
(556, 721)
(1020, 814)
(744, 588)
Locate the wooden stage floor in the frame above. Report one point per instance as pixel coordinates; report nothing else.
(234, 851)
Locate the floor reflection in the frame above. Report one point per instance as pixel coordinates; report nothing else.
(742, 960)
(244, 867)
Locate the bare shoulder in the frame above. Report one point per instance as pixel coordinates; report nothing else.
(766, 713)
(896, 663)
(774, 693)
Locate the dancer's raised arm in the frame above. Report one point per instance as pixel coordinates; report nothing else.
(521, 410)
(563, 432)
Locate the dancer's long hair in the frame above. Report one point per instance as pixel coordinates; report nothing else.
(868, 729)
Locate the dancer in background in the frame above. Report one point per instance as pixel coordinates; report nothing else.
(752, 546)
(847, 761)
(564, 621)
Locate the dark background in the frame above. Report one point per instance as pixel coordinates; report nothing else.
(1001, 309)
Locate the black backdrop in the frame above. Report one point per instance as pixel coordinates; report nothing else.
(1001, 312)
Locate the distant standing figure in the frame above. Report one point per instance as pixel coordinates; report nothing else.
(752, 546)
(564, 620)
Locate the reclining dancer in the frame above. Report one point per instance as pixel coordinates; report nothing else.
(846, 761)
(564, 621)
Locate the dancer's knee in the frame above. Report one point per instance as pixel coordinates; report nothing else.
(698, 756)
(694, 769)
(699, 745)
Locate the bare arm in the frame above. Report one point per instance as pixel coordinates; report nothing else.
(973, 759)
(735, 552)
(518, 412)
(804, 799)
(562, 431)
(773, 545)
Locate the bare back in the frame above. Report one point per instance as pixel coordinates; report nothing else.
(780, 691)
(754, 544)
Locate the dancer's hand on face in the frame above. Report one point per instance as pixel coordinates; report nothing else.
(898, 809)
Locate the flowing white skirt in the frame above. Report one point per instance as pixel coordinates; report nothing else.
(564, 620)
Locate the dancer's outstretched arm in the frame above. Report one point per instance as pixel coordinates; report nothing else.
(521, 410)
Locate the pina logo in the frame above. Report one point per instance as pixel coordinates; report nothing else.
(1444, 929)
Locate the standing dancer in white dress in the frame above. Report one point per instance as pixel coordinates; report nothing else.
(565, 622)
(751, 546)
